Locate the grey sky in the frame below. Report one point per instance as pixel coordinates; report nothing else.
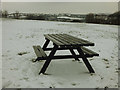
(61, 7)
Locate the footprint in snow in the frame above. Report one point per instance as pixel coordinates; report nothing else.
(112, 57)
(111, 78)
(4, 55)
(105, 59)
(117, 71)
(106, 87)
(14, 69)
(97, 88)
(26, 78)
(22, 53)
(10, 58)
(74, 84)
(8, 50)
(102, 78)
(107, 66)
(52, 87)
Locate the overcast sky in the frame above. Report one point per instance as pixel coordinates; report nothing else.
(61, 7)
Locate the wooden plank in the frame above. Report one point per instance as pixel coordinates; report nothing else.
(59, 57)
(63, 40)
(58, 39)
(37, 51)
(41, 51)
(84, 42)
(89, 52)
(72, 37)
(84, 50)
(53, 39)
(68, 39)
(73, 40)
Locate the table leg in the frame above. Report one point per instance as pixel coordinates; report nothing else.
(85, 60)
(48, 60)
(46, 44)
(73, 53)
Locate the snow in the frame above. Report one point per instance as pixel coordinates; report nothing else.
(63, 17)
(18, 71)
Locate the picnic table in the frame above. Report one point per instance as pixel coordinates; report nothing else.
(64, 42)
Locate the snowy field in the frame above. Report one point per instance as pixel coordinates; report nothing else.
(18, 71)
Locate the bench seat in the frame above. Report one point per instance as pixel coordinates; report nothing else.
(39, 52)
(41, 55)
(89, 52)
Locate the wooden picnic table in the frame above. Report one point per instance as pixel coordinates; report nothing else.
(64, 42)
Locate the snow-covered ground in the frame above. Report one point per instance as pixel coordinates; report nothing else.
(18, 71)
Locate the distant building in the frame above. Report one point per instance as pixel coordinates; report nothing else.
(22, 17)
(10, 16)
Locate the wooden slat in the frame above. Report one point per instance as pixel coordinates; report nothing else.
(89, 52)
(59, 39)
(41, 51)
(67, 39)
(59, 57)
(85, 42)
(37, 51)
(64, 40)
(53, 39)
(70, 38)
(56, 38)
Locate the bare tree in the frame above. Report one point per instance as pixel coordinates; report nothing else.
(90, 18)
(5, 14)
(16, 14)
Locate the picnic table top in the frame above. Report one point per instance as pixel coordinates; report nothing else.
(67, 40)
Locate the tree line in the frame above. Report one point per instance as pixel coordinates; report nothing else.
(113, 19)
